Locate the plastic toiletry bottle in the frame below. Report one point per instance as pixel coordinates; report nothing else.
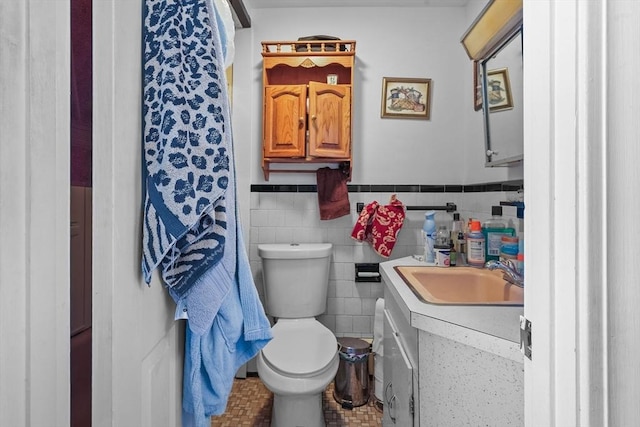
(453, 254)
(475, 245)
(493, 230)
(442, 236)
(456, 226)
(520, 257)
(429, 236)
(509, 248)
(461, 245)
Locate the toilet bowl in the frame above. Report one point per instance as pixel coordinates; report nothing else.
(302, 358)
(297, 366)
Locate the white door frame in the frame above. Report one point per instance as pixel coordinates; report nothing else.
(579, 153)
(581, 173)
(34, 212)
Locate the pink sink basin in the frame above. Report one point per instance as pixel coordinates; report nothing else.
(460, 285)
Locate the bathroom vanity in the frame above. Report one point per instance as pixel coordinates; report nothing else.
(449, 364)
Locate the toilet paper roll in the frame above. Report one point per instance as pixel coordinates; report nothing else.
(378, 327)
(368, 274)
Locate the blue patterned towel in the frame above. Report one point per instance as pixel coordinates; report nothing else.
(190, 211)
(186, 162)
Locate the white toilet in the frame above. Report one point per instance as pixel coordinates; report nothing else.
(302, 358)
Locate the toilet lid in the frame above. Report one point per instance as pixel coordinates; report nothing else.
(300, 347)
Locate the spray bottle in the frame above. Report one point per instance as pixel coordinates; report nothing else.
(429, 236)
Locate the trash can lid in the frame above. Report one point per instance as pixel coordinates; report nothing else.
(352, 346)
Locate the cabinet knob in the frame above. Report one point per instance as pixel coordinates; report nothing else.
(301, 120)
(313, 117)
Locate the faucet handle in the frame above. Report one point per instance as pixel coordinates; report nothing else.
(511, 264)
(508, 263)
(493, 263)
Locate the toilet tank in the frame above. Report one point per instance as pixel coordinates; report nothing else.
(296, 278)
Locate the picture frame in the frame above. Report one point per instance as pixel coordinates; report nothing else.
(406, 98)
(499, 90)
(332, 79)
(477, 87)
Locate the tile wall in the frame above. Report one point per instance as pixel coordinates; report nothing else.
(285, 214)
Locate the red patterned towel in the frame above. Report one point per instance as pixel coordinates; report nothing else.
(379, 225)
(362, 230)
(387, 222)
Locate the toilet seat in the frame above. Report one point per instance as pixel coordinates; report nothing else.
(300, 348)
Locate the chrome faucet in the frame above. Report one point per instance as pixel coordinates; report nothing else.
(509, 270)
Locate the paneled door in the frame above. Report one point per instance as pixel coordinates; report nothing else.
(137, 344)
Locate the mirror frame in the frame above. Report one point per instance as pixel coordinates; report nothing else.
(495, 26)
(492, 27)
(486, 112)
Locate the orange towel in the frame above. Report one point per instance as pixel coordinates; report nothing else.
(333, 195)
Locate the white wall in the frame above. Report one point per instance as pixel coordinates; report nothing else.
(294, 217)
(391, 42)
(448, 149)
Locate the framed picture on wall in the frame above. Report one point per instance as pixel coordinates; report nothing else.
(406, 98)
(499, 90)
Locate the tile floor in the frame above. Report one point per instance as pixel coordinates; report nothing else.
(250, 405)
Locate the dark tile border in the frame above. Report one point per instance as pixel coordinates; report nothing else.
(514, 185)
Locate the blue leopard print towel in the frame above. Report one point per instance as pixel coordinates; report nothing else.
(190, 226)
(186, 161)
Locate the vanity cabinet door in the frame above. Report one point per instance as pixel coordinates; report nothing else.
(285, 120)
(397, 379)
(329, 120)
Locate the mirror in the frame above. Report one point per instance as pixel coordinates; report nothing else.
(501, 80)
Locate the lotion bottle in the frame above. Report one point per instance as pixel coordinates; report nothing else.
(475, 245)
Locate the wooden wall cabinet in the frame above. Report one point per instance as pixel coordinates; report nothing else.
(306, 120)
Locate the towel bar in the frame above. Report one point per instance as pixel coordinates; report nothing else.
(345, 166)
(450, 207)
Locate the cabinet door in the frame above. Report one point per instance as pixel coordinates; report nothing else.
(284, 120)
(397, 379)
(329, 120)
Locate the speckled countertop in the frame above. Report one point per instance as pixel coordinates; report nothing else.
(498, 321)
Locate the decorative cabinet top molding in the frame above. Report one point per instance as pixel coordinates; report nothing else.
(304, 48)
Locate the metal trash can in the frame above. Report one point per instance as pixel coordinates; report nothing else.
(351, 384)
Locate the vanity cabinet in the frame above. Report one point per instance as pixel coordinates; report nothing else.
(448, 365)
(307, 104)
(398, 400)
(400, 379)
